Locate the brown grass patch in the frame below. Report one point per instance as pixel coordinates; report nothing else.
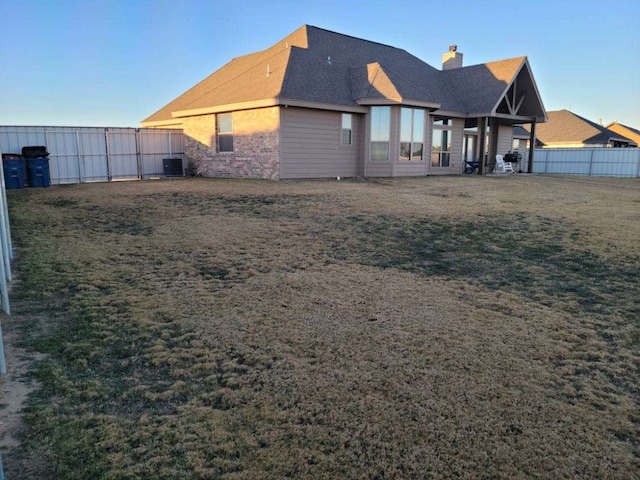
(407, 328)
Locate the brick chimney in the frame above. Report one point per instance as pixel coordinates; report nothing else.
(452, 59)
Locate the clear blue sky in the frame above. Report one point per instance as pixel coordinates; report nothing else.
(114, 62)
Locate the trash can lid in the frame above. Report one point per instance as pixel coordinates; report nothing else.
(35, 151)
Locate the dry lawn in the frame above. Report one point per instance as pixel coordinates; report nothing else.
(458, 327)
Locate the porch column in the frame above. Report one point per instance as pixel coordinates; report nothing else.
(532, 146)
(482, 139)
(493, 144)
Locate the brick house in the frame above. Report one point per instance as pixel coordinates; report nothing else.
(323, 104)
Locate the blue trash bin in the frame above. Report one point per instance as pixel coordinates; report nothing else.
(13, 173)
(38, 172)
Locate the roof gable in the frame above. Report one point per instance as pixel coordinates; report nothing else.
(629, 132)
(503, 87)
(375, 84)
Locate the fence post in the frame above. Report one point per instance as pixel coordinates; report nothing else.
(79, 156)
(106, 146)
(139, 152)
(4, 259)
(591, 162)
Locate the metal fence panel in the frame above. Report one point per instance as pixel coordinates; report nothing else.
(601, 162)
(97, 154)
(93, 150)
(12, 139)
(616, 162)
(155, 146)
(64, 159)
(123, 154)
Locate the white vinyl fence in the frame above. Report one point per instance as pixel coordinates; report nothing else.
(98, 154)
(596, 162)
(5, 267)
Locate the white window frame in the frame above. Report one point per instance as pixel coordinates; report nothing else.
(346, 121)
(412, 141)
(224, 133)
(387, 134)
(445, 126)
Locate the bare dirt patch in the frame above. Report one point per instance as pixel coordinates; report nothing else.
(454, 327)
(14, 391)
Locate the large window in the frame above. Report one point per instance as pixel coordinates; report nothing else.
(380, 127)
(441, 143)
(346, 138)
(225, 132)
(411, 134)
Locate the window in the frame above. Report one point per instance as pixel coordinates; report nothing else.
(515, 144)
(346, 129)
(380, 127)
(441, 143)
(411, 134)
(469, 148)
(225, 132)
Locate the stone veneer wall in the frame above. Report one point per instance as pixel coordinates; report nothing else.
(256, 145)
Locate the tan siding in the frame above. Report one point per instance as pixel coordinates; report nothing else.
(311, 144)
(379, 169)
(456, 146)
(410, 169)
(505, 139)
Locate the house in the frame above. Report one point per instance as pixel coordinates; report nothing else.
(521, 137)
(565, 129)
(323, 104)
(631, 133)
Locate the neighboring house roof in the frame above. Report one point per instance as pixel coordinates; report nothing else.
(317, 67)
(626, 131)
(567, 128)
(520, 132)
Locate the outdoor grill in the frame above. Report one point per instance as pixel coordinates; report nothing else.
(511, 157)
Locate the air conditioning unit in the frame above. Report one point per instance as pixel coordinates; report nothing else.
(172, 167)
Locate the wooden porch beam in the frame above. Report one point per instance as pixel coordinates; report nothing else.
(524, 94)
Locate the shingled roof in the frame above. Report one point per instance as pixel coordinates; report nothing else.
(565, 127)
(626, 131)
(313, 66)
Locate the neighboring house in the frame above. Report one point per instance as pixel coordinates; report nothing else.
(324, 104)
(521, 137)
(632, 134)
(565, 129)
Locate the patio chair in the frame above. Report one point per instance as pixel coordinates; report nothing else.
(502, 166)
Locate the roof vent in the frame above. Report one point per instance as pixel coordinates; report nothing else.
(453, 48)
